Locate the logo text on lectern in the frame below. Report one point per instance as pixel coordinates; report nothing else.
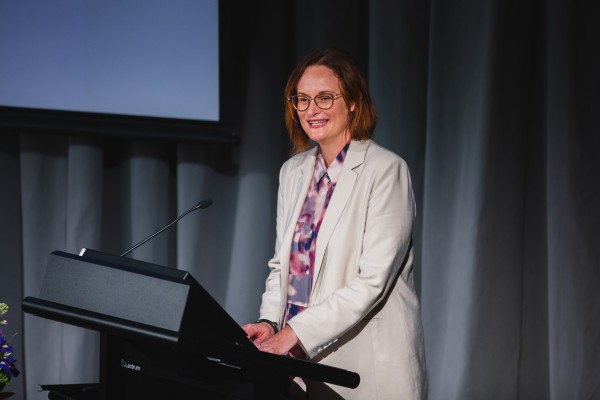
(130, 365)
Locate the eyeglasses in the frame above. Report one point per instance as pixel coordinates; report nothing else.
(324, 101)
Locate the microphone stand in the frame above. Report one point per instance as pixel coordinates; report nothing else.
(203, 204)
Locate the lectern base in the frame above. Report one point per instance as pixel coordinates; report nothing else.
(89, 391)
(92, 392)
(149, 370)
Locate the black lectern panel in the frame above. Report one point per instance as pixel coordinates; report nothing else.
(133, 298)
(162, 334)
(138, 298)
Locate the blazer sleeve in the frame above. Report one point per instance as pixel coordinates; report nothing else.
(271, 299)
(385, 242)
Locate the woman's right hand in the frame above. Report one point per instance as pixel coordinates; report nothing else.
(259, 332)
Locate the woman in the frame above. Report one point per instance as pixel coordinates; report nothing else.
(341, 283)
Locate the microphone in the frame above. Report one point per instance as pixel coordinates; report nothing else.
(203, 204)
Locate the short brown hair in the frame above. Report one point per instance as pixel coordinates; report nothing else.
(353, 87)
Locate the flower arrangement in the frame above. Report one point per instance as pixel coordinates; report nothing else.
(7, 362)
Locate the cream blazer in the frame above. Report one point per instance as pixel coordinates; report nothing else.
(363, 314)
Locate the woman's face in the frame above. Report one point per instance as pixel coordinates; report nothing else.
(329, 128)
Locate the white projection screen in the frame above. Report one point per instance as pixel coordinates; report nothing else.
(139, 58)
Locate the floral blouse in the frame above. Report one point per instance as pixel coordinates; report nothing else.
(302, 256)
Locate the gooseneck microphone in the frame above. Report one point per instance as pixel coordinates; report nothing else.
(203, 204)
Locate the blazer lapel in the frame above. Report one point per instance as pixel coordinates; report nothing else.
(343, 189)
(300, 181)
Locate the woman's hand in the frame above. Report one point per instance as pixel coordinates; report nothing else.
(258, 333)
(279, 343)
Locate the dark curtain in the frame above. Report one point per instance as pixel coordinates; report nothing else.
(493, 104)
(509, 261)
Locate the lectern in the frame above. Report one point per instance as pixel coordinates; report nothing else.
(162, 335)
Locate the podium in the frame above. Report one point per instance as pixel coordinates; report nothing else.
(162, 334)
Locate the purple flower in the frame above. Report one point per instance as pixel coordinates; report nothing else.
(7, 361)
